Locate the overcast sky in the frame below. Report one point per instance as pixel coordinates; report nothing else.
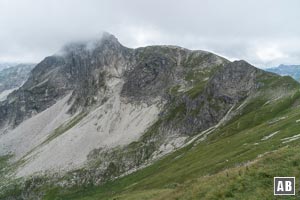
(263, 32)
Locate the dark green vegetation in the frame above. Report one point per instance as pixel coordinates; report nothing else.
(9, 187)
(236, 161)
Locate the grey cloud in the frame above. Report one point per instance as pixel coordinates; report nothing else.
(263, 32)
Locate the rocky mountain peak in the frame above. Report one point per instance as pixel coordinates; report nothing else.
(103, 42)
(117, 108)
(88, 68)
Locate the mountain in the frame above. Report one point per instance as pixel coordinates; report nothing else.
(287, 70)
(102, 121)
(12, 77)
(4, 65)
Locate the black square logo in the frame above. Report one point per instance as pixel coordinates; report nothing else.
(284, 185)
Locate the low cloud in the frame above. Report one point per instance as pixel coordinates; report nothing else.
(263, 32)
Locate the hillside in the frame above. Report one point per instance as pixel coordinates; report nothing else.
(103, 121)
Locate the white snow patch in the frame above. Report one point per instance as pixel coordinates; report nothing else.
(290, 139)
(170, 146)
(276, 120)
(242, 105)
(273, 100)
(269, 136)
(267, 102)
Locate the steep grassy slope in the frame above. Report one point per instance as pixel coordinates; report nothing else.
(236, 161)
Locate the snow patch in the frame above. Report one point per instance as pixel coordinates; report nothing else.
(242, 105)
(170, 146)
(276, 120)
(290, 139)
(269, 136)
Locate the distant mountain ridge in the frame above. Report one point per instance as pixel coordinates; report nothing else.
(286, 70)
(12, 77)
(4, 65)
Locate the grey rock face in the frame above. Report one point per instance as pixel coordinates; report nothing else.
(79, 68)
(159, 68)
(150, 77)
(88, 65)
(230, 84)
(40, 91)
(199, 87)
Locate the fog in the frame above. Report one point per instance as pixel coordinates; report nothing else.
(263, 32)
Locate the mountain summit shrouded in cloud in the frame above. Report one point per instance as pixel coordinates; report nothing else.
(263, 32)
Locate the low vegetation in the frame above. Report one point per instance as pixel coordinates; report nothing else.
(234, 162)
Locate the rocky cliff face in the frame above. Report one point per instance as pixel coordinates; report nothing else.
(109, 109)
(79, 68)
